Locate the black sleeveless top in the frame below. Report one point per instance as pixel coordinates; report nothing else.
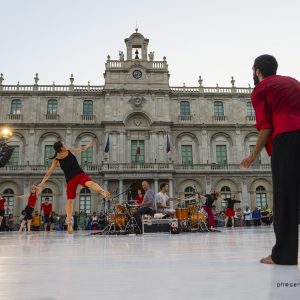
(209, 200)
(70, 166)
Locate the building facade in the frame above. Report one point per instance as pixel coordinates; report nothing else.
(138, 117)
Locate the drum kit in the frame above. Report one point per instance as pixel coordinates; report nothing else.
(190, 215)
(120, 220)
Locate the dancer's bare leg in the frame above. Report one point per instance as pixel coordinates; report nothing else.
(22, 226)
(96, 187)
(28, 226)
(1, 218)
(69, 211)
(226, 221)
(232, 222)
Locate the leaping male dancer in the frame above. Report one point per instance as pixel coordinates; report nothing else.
(74, 175)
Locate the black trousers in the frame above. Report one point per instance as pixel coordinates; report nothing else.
(142, 211)
(285, 163)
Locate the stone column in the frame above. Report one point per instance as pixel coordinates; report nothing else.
(155, 186)
(245, 196)
(106, 204)
(121, 197)
(171, 192)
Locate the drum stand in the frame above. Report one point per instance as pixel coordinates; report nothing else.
(132, 226)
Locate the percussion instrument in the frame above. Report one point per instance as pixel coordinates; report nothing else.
(117, 218)
(182, 214)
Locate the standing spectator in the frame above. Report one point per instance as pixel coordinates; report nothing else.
(3, 204)
(256, 216)
(82, 222)
(46, 212)
(239, 217)
(94, 221)
(247, 216)
(76, 216)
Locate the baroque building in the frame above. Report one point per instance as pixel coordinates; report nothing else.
(191, 137)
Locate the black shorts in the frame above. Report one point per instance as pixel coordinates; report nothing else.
(47, 219)
(2, 213)
(28, 213)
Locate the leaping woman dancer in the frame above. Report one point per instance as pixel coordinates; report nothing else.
(74, 175)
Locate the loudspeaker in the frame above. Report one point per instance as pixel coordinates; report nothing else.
(5, 154)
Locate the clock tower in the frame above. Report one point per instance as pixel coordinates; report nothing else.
(139, 70)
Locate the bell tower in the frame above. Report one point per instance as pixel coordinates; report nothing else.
(136, 46)
(136, 69)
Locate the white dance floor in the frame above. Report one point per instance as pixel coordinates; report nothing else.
(225, 265)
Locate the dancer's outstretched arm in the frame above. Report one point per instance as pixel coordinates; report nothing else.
(48, 174)
(83, 148)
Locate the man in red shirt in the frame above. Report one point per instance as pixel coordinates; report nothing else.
(3, 204)
(46, 212)
(276, 101)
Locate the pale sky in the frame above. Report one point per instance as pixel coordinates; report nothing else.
(216, 39)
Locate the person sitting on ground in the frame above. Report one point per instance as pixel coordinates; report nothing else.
(36, 221)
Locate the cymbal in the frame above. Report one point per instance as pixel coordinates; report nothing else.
(189, 199)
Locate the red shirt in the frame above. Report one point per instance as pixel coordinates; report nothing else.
(47, 208)
(2, 202)
(32, 200)
(276, 101)
(139, 199)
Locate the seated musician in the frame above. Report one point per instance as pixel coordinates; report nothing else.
(161, 200)
(147, 206)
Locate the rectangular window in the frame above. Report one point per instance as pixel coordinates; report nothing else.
(88, 107)
(185, 109)
(52, 107)
(258, 158)
(137, 151)
(85, 203)
(14, 159)
(16, 106)
(49, 152)
(221, 154)
(187, 154)
(218, 108)
(261, 200)
(87, 157)
(250, 110)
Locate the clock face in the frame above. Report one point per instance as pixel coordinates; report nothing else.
(137, 74)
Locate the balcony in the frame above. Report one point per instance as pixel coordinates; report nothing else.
(185, 119)
(88, 118)
(140, 168)
(15, 117)
(220, 118)
(251, 118)
(52, 116)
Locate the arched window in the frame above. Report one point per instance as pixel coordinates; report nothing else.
(218, 108)
(185, 108)
(87, 107)
(85, 200)
(225, 193)
(8, 194)
(46, 193)
(189, 191)
(16, 106)
(52, 107)
(48, 153)
(261, 197)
